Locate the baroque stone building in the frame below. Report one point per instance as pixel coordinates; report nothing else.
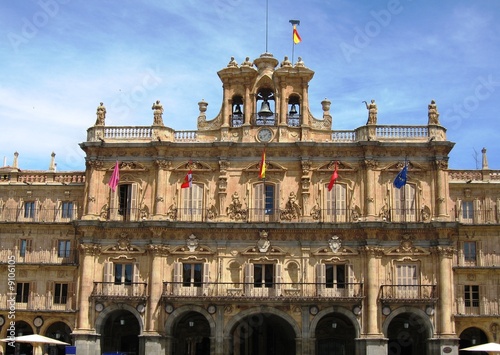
(245, 261)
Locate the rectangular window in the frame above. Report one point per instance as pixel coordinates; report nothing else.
(192, 203)
(67, 210)
(64, 248)
(467, 211)
(471, 295)
(22, 292)
(29, 209)
(470, 252)
(60, 293)
(192, 275)
(407, 281)
(263, 275)
(336, 204)
(123, 274)
(405, 203)
(335, 276)
(24, 247)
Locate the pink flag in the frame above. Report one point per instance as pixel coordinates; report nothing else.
(115, 177)
(334, 177)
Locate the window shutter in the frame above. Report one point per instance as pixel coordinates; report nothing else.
(458, 212)
(113, 204)
(320, 278)
(483, 300)
(206, 278)
(351, 287)
(259, 200)
(133, 202)
(476, 213)
(74, 214)
(139, 289)
(248, 278)
(70, 303)
(58, 210)
(49, 292)
(279, 278)
(177, 277)
(32, 296)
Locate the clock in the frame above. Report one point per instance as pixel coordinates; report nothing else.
(38, 321)
(140, 308)
(211, 309)
(2, 321)
(265, 134)
(99, 307)
(169, 308)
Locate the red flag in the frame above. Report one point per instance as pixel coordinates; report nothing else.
(262, 169)
(115, 177)
(188, 180)
(296, 36)
(334, 177)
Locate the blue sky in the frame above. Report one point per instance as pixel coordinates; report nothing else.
(60, 58)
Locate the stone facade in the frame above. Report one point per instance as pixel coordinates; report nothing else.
(242, 264)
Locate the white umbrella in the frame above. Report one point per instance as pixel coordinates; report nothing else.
(490, 347)
(36, 340)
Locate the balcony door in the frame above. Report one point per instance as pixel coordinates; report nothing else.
(407, 281)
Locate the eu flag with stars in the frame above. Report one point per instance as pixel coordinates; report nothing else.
(400, 179)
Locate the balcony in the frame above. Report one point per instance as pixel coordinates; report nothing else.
(45, 257)
(37, 302)
(36, 214)
(126, 291)
(269, 291)
(477, 216)
(425, 294)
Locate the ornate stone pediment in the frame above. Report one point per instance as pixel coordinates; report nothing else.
(193, 166)
(396, 167)
(330, 166)
(406, 246)
(123, 244)
(128, 166)
(271, 167)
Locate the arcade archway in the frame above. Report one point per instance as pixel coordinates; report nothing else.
(22, 328)
(59, 331)
(408, 334)
(191, 334)
(120, 333)
(335, 334)
(470, 337)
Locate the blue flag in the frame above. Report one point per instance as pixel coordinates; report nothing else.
(400, 179)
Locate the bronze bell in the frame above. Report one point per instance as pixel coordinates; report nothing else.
(265, 109)
(293, 110)
(237, 110)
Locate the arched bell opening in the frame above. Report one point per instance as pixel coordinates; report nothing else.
(265, 108)
(294, 112)
(237, 111)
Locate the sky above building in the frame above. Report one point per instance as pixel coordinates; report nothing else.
(61, 58)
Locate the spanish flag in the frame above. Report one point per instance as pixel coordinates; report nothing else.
(296, 36)
(262, 170)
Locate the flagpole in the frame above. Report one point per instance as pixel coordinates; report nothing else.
(267, 21)
(293, 22)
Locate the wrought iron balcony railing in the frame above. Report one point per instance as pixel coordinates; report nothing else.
(125, 290)
(408, 294)
(259, 290)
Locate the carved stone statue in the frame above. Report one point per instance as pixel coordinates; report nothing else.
(433, 113)
(157, 113)
(101, 115)
(372, 112)
(292, 208)
(232, 63)
(235, 210)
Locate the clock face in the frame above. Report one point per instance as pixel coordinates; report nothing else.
(265, 135)
(38, 321)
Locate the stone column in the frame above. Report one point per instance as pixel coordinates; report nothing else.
(373, 254)
(283, 104)
(161, 166)
(370, 165)
(157, 252)
(248, 107)
(445, 303)
(87, 261)
(441, 186)
(93, 178)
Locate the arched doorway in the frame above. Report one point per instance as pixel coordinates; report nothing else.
(470, 337)
(408, 334)
(59, 331)
(263, 334)
(192, 335)
(22, 328)
(120, 333)
(335, 334)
